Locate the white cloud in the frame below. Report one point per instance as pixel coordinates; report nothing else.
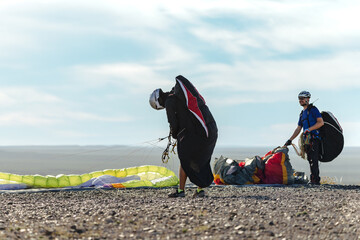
(237, 83)
(131, 77)
(269, 25)
(231, 41)
(336, 72)
(25, 119)
(55, 116)
(172, 56)
(282, 26)
(255, 30)
(31, 107)
(10, 96)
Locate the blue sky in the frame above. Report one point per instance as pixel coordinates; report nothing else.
(81, 72)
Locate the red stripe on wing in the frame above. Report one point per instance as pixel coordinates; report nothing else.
(192, 104)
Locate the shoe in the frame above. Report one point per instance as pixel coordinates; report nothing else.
(177, 194)
(199, 194)
(314, 180)
(314, 183)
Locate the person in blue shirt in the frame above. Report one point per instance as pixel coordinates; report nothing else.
(310, 121)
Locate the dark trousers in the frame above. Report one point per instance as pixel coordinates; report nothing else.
(313, 155)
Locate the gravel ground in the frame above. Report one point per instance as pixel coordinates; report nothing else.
(246, 212)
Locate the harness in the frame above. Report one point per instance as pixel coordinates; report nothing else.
(308, 121)
(165, 156)
(306, 139)
(307, 109)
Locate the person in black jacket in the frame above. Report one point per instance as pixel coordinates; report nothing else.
(194, 127)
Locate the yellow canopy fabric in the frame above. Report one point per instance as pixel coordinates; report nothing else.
(147, 176)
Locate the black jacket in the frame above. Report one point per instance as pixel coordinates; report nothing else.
(181, 118)
(195, 141)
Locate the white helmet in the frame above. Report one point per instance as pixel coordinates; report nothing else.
(304, 94)
(154, 99)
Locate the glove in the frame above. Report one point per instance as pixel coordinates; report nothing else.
(288, 142)
(306, 131)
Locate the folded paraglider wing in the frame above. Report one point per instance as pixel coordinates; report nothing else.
(278, 169)
(142, 176)
(273, 168)
(332, 138)
(194, 101)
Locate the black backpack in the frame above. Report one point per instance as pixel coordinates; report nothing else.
(332, 138)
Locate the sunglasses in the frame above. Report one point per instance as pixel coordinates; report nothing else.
(301, 98)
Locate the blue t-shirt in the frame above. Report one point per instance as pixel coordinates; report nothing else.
(313, 114)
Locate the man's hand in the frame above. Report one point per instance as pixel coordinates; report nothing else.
(288, 142)
(306, 131)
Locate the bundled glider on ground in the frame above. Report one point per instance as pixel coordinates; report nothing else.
(143, 176)
(273, 168)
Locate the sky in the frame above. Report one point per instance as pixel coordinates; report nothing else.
(81, 72)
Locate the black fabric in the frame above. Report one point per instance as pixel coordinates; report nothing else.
(162, 97)
(179, 116)
(332, 139)
(194, 147)
(195, 155)
(179, 92)
(288, 142)
(208, 118)
(313, 156)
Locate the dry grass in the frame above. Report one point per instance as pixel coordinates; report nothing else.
(328, 180)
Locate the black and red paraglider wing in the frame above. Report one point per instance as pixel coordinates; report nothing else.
(193, 100)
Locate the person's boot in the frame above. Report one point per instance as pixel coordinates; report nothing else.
(177, 193)
(199, 193)
(314, 180)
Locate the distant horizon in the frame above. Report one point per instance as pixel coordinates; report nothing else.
(54, 160)
(150, 146)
